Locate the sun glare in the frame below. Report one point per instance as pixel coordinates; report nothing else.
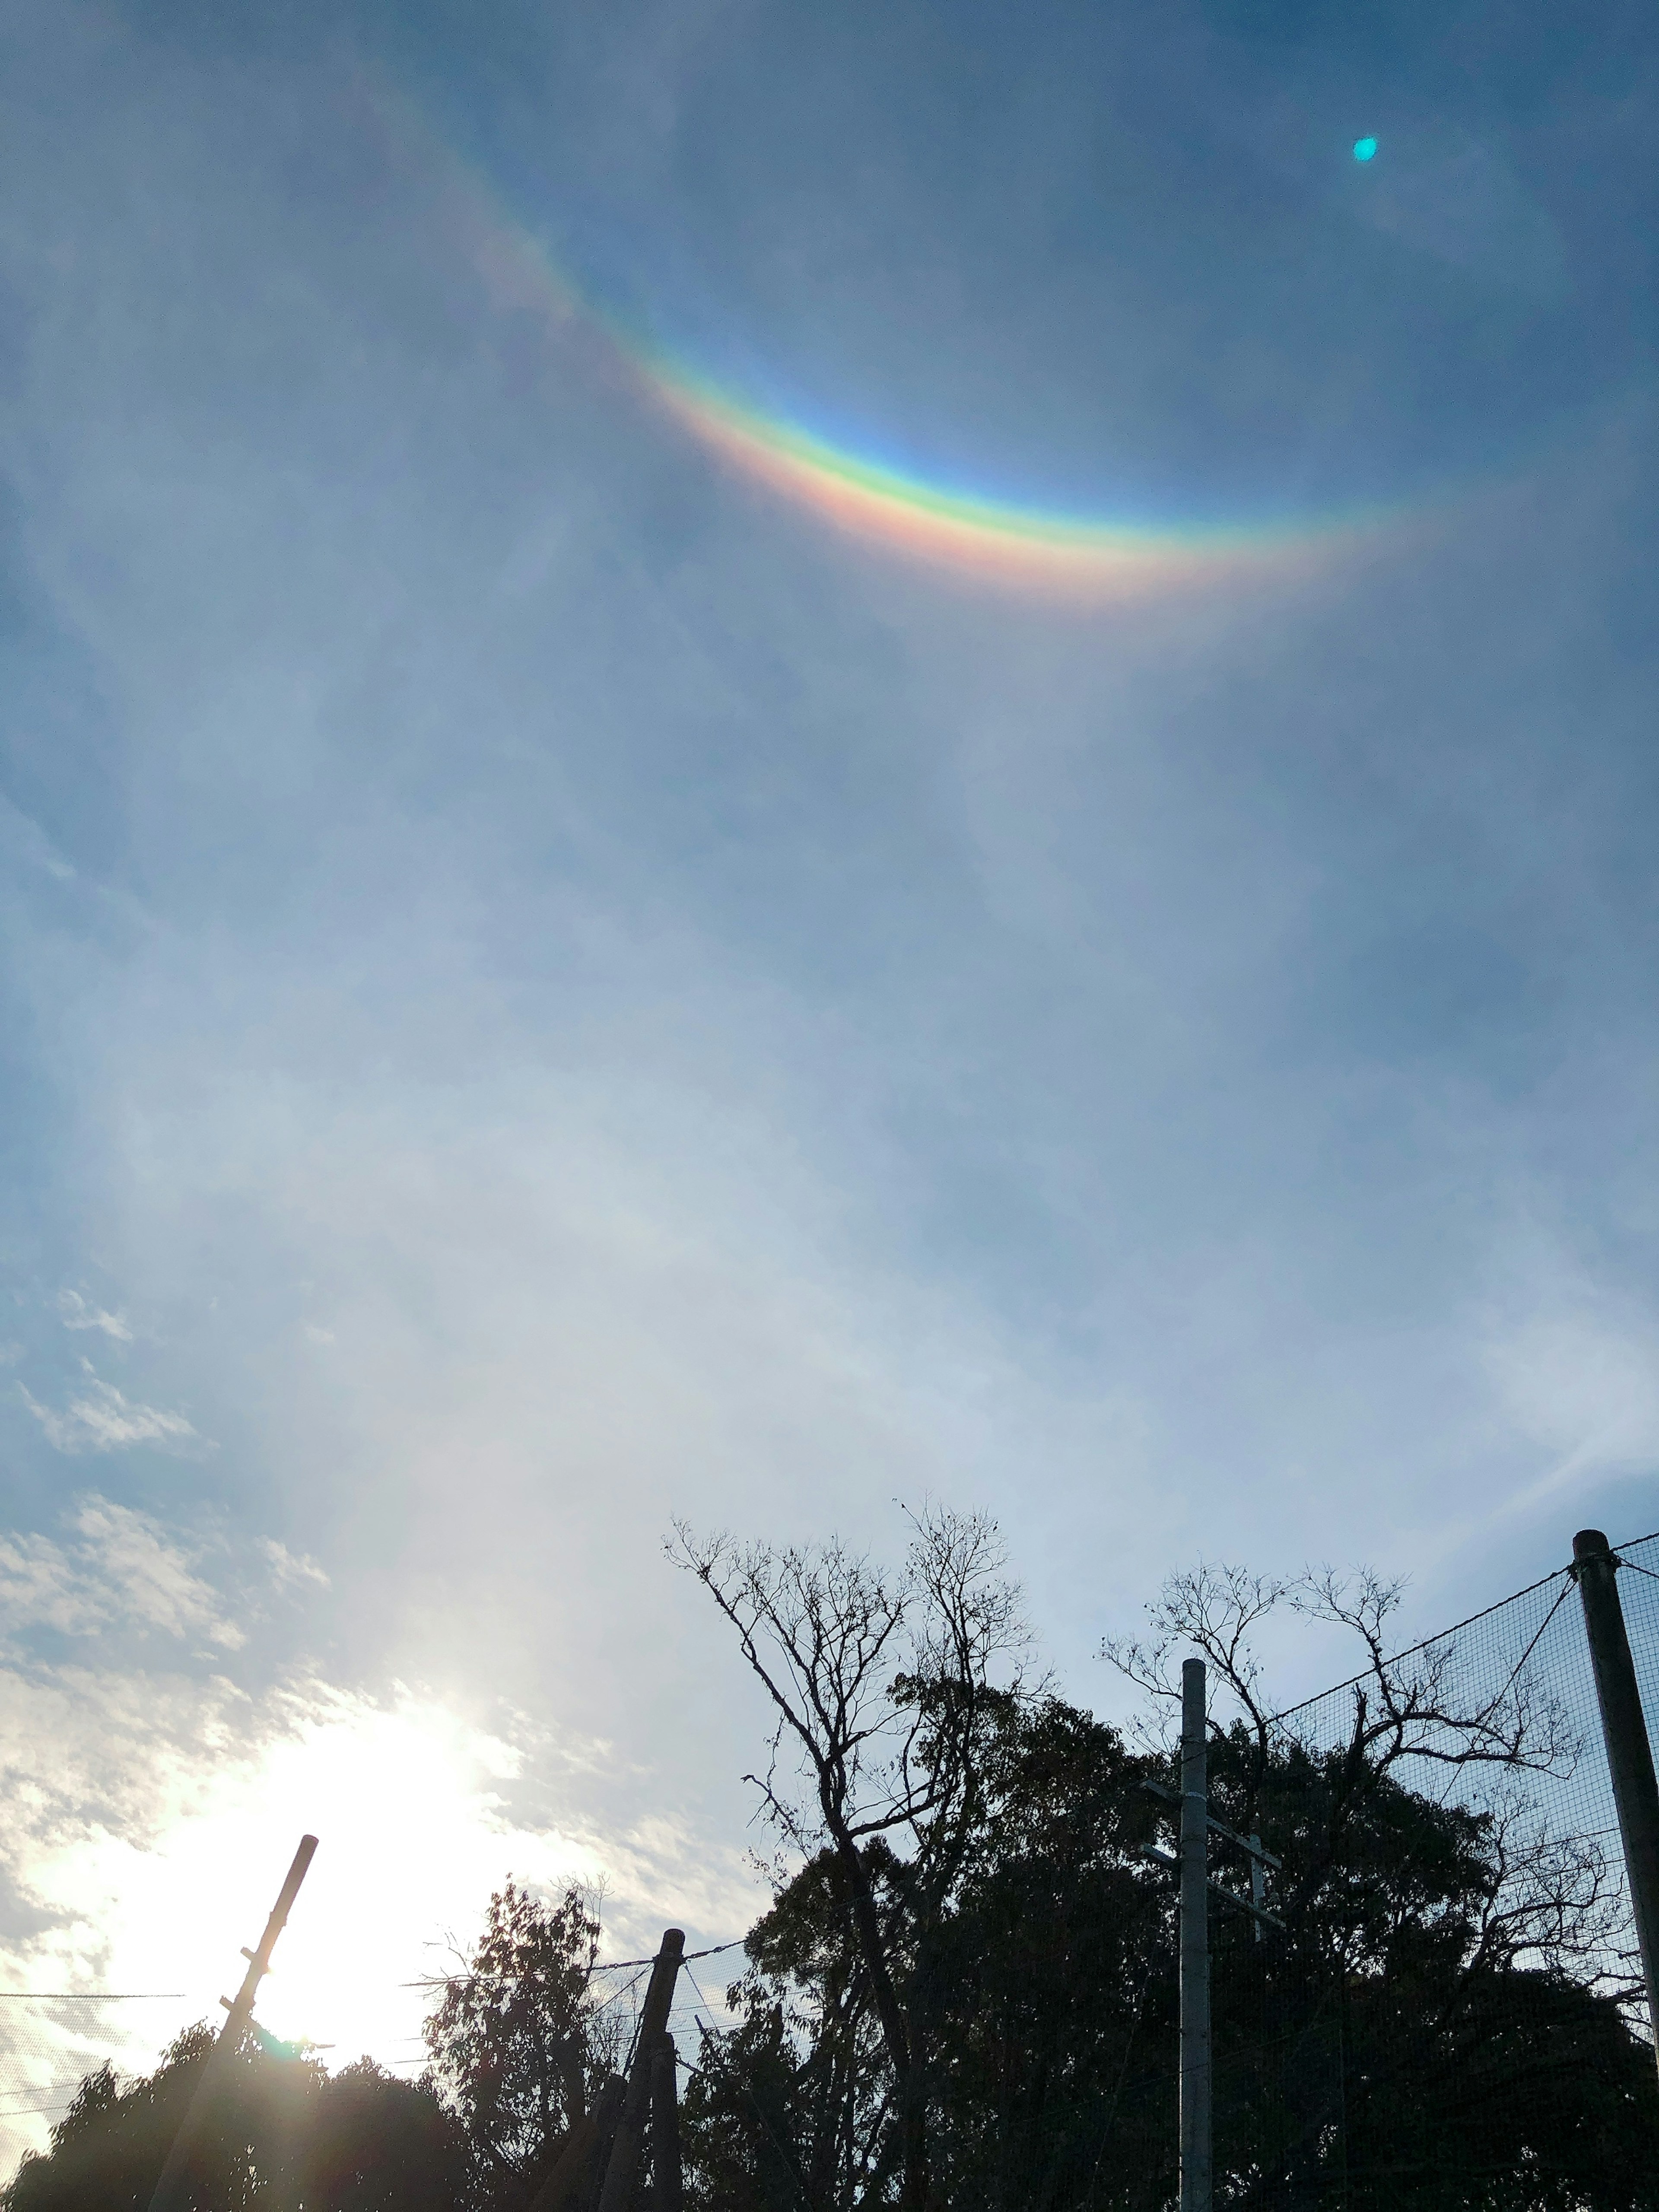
(413, 1837)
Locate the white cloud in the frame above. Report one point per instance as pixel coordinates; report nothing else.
(150, 1576)
(118, 1569)
(147, 1815)
(77, 1313)
(41, 1586)
(102, 1418)
(291, 1569)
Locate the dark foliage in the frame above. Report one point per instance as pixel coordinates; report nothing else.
(887, 1690)
(518, 2046)
(966, 1995)
(1407, 2043)
(521, 2042)
(285, 2133)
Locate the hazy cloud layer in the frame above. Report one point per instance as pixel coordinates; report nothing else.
(543, 988)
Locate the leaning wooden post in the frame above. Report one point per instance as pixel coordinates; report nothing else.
(173, 2191)
(1630, 1754)
(667, 2188)
(617, 2193)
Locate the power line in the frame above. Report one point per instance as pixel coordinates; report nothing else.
(1412, 1649)
(600, 1966)
(1457, 1627)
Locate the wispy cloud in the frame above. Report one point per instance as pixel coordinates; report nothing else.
(41, 1586)
(1579, 1380)
(149, 1575)
(117, 1567)
(76, 1313)
(103, 1419)
(291, 1569)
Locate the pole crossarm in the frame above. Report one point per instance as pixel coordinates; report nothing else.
(1168, 1860)
(1250, 1843)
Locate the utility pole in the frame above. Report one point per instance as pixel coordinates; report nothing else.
(616, 2193)
(1195, 2132)
(173, 2191)
(1630, 1753)
(1190, 1805)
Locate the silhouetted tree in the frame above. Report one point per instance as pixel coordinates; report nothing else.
(376, 2144)
(284, 2135)
(521, 2042)
(886, 1687)
(1428, 2031)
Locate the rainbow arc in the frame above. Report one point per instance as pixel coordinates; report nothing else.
(1095, 561)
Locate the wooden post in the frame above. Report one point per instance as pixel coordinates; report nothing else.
(617, 2191)
(1630, 1754)
(586, 2142)
(173, 2191)
(667, 2188)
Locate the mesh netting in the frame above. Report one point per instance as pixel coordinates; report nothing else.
(1508, 1726)
(49, 2042)
(1470, 2025)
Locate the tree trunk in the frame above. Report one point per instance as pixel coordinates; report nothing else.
(895, 2033)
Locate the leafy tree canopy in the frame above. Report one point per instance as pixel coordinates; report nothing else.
(1429, 2028)
(520, 2041)
(282, 2133)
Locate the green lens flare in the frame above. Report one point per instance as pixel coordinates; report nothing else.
(1364, 149)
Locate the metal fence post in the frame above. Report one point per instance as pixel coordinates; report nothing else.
(1630, 1754)
(1195, 2148)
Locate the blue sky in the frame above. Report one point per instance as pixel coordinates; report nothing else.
(545, 987)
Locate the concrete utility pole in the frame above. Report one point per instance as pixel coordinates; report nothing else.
(173, 2191)
(1195, 2156)
(617, 2193)
(1630, 1754)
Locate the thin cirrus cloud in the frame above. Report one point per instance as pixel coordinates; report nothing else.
(547, 989)
(99, 1417)
(75, 1312)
